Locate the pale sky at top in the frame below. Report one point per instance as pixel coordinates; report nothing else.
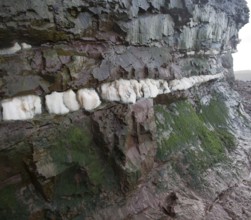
(242, 59)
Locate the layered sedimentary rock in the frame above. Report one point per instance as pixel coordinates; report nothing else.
(124, 91)
(122, 110)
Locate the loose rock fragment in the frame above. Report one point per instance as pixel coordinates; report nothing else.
(88, 99)
(163, 87)
(21, 108)
(109, 92)
(55, 103)
(26, 46)
(70, 100)
(137, 87)
(11, 50)
(149, 87)
(126, 91)
(188, 82)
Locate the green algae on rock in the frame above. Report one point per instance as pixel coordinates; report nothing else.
(187, 141)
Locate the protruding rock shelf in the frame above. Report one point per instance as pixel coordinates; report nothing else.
(124, 91)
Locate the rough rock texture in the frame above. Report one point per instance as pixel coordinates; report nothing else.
(244, 88)
(182, 155)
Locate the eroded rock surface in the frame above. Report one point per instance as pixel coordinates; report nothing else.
(244, 88)
(165, 138)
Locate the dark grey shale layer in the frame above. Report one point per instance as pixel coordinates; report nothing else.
(124, 91)
(164, 144)
(200, 25)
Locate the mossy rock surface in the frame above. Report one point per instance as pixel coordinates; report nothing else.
(10, 205)
(192, 141)
(75, 148)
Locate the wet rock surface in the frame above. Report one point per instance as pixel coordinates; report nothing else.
(181, 155)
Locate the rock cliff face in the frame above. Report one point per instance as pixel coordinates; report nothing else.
(181, 154)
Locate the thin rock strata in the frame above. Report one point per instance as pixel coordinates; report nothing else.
(122, 109)
(124, 91)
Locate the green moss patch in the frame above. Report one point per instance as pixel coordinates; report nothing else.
(187, 140)
(10, 206)
(216, 113)
(75, 147)
(8, 197)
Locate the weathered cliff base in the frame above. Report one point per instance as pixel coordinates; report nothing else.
(123, 110)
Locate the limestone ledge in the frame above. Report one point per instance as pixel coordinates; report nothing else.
(124, 91)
